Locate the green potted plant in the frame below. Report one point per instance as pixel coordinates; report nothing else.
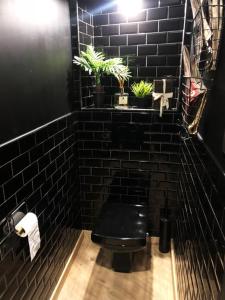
(95, 64)
(142, 91)
(122, 74)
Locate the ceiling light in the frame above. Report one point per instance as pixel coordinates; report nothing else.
(129, 7)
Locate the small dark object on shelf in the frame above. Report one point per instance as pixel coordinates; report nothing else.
(158, 86)
(144, 102)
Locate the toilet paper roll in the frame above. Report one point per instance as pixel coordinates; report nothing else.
(28, 227)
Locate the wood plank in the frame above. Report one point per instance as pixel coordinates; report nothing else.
(67, 268)
(91, 276)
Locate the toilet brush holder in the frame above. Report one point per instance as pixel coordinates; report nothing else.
(165, 231)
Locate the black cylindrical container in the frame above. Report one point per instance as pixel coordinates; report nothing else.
(165, 233)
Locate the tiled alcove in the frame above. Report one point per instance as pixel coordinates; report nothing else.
(149, 43)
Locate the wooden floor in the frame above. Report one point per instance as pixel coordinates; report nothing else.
(91, 276)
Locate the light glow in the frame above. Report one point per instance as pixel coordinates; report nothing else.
(129, 7)
(34, 12)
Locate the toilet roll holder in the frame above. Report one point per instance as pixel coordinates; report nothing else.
(22, 208)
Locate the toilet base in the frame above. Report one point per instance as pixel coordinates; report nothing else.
(122, 262)
(121, 228)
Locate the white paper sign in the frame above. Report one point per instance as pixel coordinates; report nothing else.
(123, 100)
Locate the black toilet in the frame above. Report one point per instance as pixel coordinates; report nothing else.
(122, 228)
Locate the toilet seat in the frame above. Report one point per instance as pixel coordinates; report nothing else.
(121, 227)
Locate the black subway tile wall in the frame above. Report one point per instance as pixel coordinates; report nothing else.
(86, 37)
(39, 173)
(86, 28)
(130, 157)
(200, 230)
(150, 43)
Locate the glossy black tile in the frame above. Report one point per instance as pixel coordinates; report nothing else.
(165, 71)
(111, 51)
(83, 27)
(170, 25)
(169, 2)
(128, 50)
(157, 38)
(157, 13)
(98, 31)
(20, 163)
(156, 60)
(148, 4)
(101, 41)
(148, 27)
(100, 20)
(117, 18)
(169, 49)
(176, 11)
(147, 71)
(174, 37)
(110, 30)
(121, 117)
(147, 49)
(8, 152)
(137, 61)
(173, 60)
(128, 28)
(136, 39)
(118, 40)
(13, 185)
(140, 16)
(5, 173)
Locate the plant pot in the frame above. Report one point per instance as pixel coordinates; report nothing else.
(145, 102)
(121, 100)
(99, 96)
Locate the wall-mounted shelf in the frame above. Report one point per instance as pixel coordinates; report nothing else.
(125, 109)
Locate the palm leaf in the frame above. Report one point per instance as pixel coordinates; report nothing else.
(95, 63)
(90, 60)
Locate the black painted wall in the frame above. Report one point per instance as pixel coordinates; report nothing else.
(35, 64)
(213, 125)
